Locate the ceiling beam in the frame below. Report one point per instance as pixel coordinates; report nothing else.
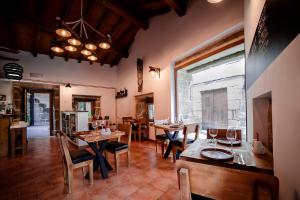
(179, 6)
(36, 25)
(8, 58)
(121, 9)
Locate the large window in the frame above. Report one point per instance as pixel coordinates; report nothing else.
(211, 91)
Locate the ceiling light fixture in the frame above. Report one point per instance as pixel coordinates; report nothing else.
(214, 1)
(92, 58)
(70, 48)
(74, 41)
(57, 49)
(86, 52)
(13, 71)
(68, 30)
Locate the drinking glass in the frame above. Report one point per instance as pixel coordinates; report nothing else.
(94, 125)
(213, 133)
(231, 136)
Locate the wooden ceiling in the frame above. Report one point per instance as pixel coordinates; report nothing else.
(29, 24)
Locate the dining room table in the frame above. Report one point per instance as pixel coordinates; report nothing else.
(235, 178)
(172, 131)
(97, 140)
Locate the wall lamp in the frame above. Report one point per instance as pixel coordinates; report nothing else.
(154, 70)
(68, 85)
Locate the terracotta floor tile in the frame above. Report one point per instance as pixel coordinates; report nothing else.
(39, 175)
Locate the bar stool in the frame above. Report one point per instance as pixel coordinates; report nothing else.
(18, 128)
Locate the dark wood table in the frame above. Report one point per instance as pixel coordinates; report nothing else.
(172, 137)
(232, 180)
(94, 138)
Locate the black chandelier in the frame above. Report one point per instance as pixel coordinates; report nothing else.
(13, 71)
(71, 41)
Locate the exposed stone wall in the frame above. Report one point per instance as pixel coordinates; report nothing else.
(189, 96)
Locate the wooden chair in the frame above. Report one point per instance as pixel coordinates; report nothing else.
(117, 147)
(222, 133)
(181, 144)
(126, 120)
(161, 139)
(254, 185)
(143, 128)
(78, 159)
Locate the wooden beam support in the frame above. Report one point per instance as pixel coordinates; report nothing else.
(9, 50)
(8, 58)
(179, 6)
(122, 10)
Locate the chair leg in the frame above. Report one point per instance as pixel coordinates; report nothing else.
(162, 148)
(156, 143)
(174, 154)
(128, 158)
(83, 172)
(65, 173)
(117, 162)
(140, 136)
(91, 173)
(70, 177)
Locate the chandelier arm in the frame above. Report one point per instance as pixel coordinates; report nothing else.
(72, 22)
(85, 31)
(75, 25)
(102, 35)
(81, 24)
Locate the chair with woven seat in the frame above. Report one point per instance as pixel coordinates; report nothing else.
(117, 147)
(182, 143)
(73, 160)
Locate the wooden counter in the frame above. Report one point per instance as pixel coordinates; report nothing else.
(4, 133)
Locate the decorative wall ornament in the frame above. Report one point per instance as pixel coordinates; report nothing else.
(122, 93)
(139, 63)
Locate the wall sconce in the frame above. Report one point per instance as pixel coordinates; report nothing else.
(68, 86)
(154, 70)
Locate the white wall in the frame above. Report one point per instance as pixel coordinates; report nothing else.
(59, 71)
(167, 38)
(282, 79)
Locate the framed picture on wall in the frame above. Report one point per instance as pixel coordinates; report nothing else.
(2, 97)
(3, 105)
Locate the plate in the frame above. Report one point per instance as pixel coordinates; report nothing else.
(227, 142)
(216, 154)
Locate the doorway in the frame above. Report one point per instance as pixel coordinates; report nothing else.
(38, 113)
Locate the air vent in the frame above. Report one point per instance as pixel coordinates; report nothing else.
(36, 75)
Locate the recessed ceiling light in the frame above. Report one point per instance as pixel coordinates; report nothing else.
(214, 1)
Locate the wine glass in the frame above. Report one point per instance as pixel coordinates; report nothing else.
(94, 125)
(213, 133)
(231, 136)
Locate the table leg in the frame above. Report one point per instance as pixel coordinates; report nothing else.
(99, 160)
(172, 138)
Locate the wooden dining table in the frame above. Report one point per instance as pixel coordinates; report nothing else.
(97, 141)
(168, 129)
(233, 179)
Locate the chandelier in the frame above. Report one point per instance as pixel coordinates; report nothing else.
(70, 41)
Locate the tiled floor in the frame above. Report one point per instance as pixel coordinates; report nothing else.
(39, 175)
(38, 131)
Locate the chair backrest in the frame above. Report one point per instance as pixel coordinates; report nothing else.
(58, 135)
(189, 129)
(66, 150)
(222, 133)
(127, 128)
(126, 119)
